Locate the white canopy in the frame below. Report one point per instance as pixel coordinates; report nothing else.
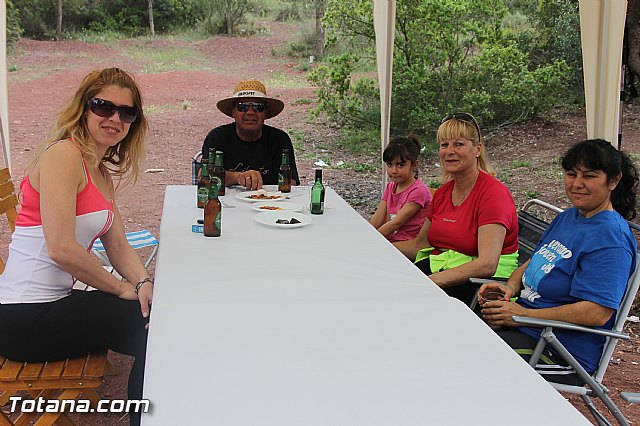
(602, 26)
(384, 14)
(4, 98)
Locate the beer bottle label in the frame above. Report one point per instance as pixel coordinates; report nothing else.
(203, 194)
(280, 179)
(218, 220)
(216, 183)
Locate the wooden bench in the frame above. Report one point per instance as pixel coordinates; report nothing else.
(59, 380)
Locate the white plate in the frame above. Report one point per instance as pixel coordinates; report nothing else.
(280, 205)
(244, 196)
(269, 219)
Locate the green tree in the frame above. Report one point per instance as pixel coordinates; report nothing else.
(449, 55)
(14, 30)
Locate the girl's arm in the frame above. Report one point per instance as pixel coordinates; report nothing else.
(410, 248)
(58, 176)
(378, 218)
(406, 212)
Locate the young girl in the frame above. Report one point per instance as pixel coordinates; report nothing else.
(403, 208)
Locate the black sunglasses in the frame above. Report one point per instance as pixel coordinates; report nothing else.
(257, 106)
(105, 109)
(463, 116)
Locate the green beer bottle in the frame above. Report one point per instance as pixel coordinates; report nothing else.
(284, 176)
(203, 182)
(317, 194)
(213, 210)
(218, 171)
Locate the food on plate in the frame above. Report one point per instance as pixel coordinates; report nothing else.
(270, 208)
(291, 221)
(264, 197)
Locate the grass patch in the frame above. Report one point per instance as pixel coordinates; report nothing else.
(302, 101)
(359, 141)
(358, 167)
(434, 183)
(532, 193)
(109, 38)
(161, 109)
(285, 81)
(516, 164)
(297, 139)
(163, 59)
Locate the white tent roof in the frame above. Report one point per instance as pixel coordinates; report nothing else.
(602, 25)
(384, 13)
(4, 98)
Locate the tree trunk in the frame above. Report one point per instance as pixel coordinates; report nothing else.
(229, 22)
(319, 28)
(59, 22)
(152, 29)
(633, 33)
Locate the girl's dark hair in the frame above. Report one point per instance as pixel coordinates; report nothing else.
(406, 149)
(598, 154)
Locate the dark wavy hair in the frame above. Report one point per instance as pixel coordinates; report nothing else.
(598, 154)
(405, 149)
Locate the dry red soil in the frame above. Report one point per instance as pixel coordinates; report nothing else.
(181, 110)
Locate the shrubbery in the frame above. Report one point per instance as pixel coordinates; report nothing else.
(450, 55)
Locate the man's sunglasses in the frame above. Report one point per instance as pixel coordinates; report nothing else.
(106, 109)
(463, 116)
(257, 106)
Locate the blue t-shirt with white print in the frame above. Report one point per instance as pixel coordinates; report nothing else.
(579, 259)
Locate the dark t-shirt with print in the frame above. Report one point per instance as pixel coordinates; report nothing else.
(264, 155)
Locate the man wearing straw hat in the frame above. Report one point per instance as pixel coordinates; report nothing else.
(252, 150)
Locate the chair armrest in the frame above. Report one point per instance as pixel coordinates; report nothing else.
(631, 397)
(486, 280)
(542, 323)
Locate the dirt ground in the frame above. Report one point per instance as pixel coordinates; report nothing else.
(181, 109)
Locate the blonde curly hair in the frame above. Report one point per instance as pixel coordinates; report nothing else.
(124, 160)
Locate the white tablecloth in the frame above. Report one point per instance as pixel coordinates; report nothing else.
(322, 325)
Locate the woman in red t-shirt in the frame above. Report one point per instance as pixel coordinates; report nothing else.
(471, 229)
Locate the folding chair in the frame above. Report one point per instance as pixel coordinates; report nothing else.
(530, 230)
(137, 240)
(196, 161)
(633, 397)
(8, 203)
(62, 380)
(593, 383)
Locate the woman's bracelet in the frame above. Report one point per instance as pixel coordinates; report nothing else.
(146, 280)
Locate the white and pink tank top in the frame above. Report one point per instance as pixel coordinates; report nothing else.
(31, 276)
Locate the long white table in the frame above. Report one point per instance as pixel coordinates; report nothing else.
(326, 324)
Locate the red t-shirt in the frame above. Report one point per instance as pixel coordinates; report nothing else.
(456, 227)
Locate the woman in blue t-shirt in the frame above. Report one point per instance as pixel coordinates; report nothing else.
(580, 268)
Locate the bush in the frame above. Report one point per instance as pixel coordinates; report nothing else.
(464, 55)
(14, 30)
(38, 17)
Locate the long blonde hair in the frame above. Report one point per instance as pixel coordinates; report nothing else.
(124, 160)
(455, 129)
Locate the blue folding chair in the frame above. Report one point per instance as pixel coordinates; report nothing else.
(137, 240)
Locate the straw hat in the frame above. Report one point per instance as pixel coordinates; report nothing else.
(251, 89)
